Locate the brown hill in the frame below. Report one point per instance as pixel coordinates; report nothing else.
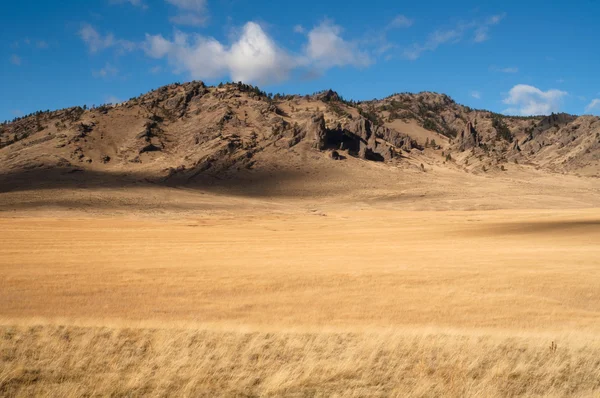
(190, 133)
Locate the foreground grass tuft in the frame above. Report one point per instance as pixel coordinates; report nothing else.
(53, 360)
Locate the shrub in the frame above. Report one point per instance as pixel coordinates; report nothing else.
(429, 124)
(502, 129)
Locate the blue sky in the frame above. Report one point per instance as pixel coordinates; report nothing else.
(525, 57)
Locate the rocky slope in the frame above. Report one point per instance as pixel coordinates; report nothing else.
(190, 132)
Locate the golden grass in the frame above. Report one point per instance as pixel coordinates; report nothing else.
(46, 360)
(351, 303)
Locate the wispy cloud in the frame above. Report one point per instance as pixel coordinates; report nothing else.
(377, 40)
(482, 30)
(435, 39)
(476, 94)
(511, 69)
(135, 3)
(189, 12)
(111, 99)
(27, 42)
(106, 72)
(594, 106)
(299, 29)
(400, 21)
(16, 60)
(529, 100)
(478, 29)
(97, 42)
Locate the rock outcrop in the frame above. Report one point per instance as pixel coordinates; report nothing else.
(468, 138)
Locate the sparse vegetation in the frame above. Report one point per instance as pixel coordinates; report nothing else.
(371, 115)
(502, 130)
(429, 125)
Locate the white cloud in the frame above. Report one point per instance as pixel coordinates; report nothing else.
(96, 42)
(594, 106)
(528, 100)
(106, 72)
(299, 29)
(15, 60)
(476, 94)
(190, 12)
(41, 44)
(400, 21)
(254, 56)
(480, 30)
(156, 69)
(326, 48)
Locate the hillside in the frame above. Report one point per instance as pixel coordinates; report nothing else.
(194, 134)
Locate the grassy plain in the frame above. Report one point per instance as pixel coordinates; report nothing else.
(340, 302)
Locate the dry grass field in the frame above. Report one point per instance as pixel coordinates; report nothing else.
(342, 302)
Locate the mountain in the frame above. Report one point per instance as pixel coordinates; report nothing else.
(191, 133)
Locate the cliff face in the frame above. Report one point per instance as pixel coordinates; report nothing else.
(188, 131)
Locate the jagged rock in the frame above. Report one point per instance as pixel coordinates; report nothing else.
(398, 140)
(468, 138)
(361, 130)
(328, 96)
(379, 152)
(296, 138)
(316, 130)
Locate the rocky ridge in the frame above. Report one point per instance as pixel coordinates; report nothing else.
(184, 132)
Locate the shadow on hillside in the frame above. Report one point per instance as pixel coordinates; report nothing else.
(255, 183)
